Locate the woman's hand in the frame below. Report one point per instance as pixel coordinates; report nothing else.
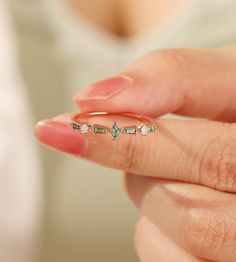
(183, 177)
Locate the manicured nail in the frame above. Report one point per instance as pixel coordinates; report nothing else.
(104, 89)
(60, 137)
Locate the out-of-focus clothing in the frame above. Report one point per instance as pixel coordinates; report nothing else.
(20, 183)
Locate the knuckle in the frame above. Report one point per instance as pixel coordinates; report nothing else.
(172, 55)
(172, 59)
(209, 231)
(218, 164)
(169, 63)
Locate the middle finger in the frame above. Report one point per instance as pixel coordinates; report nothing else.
(199, 219)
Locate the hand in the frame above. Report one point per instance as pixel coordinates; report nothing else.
(183, 177)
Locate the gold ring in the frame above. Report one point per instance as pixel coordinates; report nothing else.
(148, 125)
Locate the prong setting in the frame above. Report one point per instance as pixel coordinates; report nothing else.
(85, 128)
(143, 129)
(115, 130)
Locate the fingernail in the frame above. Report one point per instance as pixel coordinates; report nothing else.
(104, 89)
(60, 137)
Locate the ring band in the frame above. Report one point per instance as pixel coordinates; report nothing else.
(148, 125)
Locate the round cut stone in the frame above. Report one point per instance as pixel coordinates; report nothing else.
(115, 130)
(144, 130)
(84, 128)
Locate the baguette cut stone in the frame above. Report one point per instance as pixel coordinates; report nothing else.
(130, 130)
(115, 130)
(99, 130)
(75, 125)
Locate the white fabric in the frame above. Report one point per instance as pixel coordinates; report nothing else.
(19, 170)
(200, 24)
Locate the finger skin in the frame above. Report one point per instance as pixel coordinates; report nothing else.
(202, 152)
(152, 245)
(191, 82)
(51, 133)
(199, 219)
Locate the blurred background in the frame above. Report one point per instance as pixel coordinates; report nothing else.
(54, 207)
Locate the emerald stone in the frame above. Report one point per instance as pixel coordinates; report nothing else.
(75, 125)
(115, 130)
(130, 130)
(151, 128)
(99, 130)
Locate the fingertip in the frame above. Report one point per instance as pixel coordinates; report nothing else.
(59, 136)
(38, 127)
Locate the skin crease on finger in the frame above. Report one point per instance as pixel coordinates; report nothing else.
(199, 219)
(151, 243)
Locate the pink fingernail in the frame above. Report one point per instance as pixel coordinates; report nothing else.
(104, 89)
(60, 137)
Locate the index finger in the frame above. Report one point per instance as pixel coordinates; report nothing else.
(201, 152)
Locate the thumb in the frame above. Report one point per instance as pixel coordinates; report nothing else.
(198, 83)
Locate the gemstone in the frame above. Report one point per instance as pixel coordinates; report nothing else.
(84, 128)
(130, 130)
(75, 125)
(115, 130)
(99, 130)
(144, 130)
(151, 128)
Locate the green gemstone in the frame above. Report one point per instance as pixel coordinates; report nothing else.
(99, 130)
(75, 125)
(151, 128)
(115, 130)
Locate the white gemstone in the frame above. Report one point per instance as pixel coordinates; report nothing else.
(144, 130)
(84, 128)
